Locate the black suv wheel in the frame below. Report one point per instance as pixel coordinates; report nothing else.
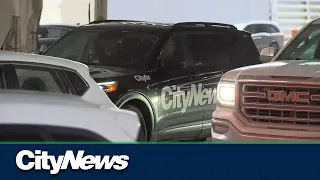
(143, 131)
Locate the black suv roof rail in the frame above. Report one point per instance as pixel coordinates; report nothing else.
(203, 24)
(106, 21)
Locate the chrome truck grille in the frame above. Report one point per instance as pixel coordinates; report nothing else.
(279, 103)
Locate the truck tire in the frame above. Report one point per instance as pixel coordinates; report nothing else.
(143, 131)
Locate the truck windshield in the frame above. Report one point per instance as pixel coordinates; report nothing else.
(306, 46)
(120, 49)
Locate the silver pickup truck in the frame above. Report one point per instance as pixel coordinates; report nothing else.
(274, 101)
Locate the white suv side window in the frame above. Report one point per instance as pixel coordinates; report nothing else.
(39, 79)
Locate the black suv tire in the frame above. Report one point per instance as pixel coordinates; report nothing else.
(143, 131)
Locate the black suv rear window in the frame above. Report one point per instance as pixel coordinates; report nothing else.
(223, 49)
(102, 48)
(218, 49)
(243, 51)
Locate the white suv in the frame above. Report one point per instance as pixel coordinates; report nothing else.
(41, 73)
(264, 34)
(30, 116)
(30, 72)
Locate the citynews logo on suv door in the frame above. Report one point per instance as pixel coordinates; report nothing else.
(41, 160)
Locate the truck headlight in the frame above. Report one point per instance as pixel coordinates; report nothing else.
(226, 93)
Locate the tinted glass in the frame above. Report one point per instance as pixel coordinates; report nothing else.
(273, 29)
(53, 32)
(222, 50)
(174, 52)
(211, 49)
(64, 32)
(121, 49)
(79, 85)
(38, 79)
(305, 46)
(261, 28)
(43, 32)
(71, 47)
(2, 78)
(39, 133)
(7, 136)
(249, 28)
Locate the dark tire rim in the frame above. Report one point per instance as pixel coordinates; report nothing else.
(142, 136)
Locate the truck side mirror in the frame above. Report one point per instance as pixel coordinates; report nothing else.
(267, 54)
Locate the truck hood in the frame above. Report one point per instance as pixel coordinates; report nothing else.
(290, 68)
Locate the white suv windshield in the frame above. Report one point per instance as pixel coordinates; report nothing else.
(121, 49)
(306, 46)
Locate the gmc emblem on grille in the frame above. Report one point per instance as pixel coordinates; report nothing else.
(292, 96)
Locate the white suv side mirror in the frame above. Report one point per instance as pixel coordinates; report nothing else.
(267, 54)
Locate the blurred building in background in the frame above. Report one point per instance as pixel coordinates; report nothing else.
(71, 12)
(291, 15)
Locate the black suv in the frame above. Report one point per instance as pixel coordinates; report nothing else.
(167, 73)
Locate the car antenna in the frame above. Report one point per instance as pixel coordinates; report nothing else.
(89, 11)
(5, 40)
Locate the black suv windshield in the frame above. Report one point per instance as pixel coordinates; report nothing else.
(103, 48)
(305, 46)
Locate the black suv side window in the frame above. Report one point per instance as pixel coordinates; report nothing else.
(80, 86)
(122, 49)
(129, 49)
(174, 53)
(211, 49)
(37, 78)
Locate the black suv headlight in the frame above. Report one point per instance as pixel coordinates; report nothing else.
(108, 87)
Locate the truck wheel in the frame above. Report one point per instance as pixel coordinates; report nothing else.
(143, 131)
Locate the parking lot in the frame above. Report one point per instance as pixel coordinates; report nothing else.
(114, 71)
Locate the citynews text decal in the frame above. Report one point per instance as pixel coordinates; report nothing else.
(41, 160)
(170, 161)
